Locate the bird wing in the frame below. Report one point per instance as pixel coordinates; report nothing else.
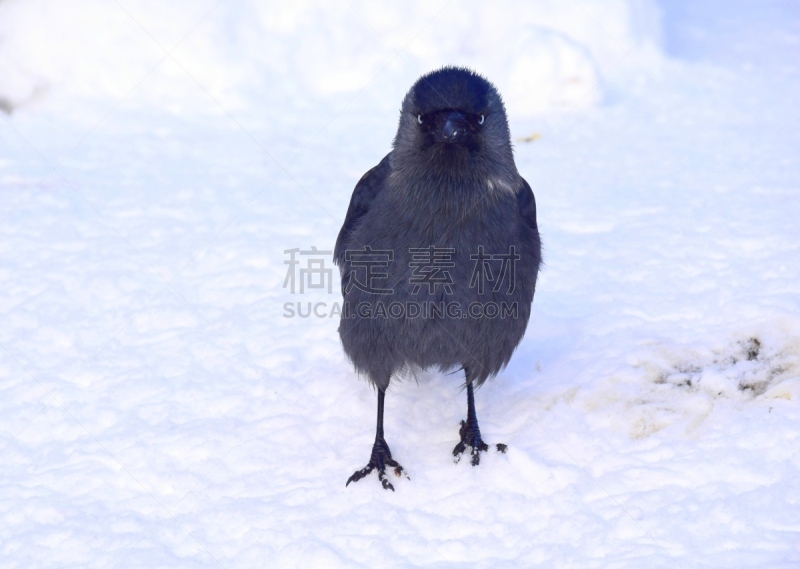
(527, 205)
(368, 187)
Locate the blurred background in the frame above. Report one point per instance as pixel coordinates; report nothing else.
(251, 55)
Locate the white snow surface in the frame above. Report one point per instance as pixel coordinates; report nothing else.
(157, 408)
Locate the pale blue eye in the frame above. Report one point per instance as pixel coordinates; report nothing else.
(480, 121)
(419, 119)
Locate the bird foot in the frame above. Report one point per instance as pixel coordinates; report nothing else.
(380, 458)
(471, 437)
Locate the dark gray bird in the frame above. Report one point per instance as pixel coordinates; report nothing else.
(439, 251)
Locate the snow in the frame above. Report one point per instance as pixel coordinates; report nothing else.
(159, 410)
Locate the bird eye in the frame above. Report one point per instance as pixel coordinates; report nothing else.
(419, 119)
(480, 120)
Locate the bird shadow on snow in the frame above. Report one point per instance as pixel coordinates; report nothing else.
(666, 385)
(424, 409)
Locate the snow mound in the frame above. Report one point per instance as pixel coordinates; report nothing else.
(541, 55)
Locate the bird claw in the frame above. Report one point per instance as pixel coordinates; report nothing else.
(471, 437)
(381, 458)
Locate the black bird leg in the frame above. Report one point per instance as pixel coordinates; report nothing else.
(381, 456)
(470, 431)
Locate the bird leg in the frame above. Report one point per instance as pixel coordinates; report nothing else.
(470, 431)
(381, 456)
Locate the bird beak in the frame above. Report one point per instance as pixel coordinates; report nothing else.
(454, 128)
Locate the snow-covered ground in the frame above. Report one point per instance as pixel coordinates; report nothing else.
(157, 408)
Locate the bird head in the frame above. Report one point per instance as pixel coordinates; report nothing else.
(453, 115)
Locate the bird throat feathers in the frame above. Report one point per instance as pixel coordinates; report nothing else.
(452, 173)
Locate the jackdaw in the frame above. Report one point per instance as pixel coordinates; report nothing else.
(439, 251)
